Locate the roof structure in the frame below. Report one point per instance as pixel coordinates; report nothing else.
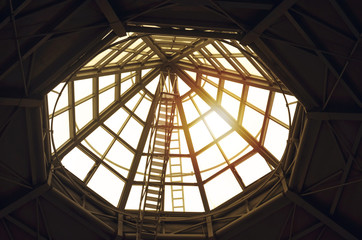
(231, 119)
(312, 47)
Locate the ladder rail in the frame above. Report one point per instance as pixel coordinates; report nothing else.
(151, 173)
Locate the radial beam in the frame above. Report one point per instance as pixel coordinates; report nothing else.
(187, 51)
(82, 134)
(139, 150)
(247, 80)
(155, 48)
(228, 118)
(192, 155)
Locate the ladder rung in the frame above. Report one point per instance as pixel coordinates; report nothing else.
(160, 136)
(155, 192)
(154, 177)
(162, 150)
(148, 205)
(159, 143)
(176, 190)
(153, 199)
(158, 164)
(155, 170)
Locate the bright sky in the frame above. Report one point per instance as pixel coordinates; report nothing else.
(216, 142)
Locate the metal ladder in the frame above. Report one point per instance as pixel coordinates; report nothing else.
(175, 166)
(152, 196)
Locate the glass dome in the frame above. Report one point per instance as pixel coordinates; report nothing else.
(230, 120)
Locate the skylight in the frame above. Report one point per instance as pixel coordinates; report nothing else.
(226, 104)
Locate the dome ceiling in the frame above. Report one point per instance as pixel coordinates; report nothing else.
(230, 127)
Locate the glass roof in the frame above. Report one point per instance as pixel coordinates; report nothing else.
(230, 121)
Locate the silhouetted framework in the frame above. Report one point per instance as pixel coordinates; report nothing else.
(266, 127)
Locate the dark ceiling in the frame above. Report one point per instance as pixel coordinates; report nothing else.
(314, 48)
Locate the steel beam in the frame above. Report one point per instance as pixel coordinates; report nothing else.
(247, 80)
(79, 213)
(82, 134)
(304, 153)
(229, 119)
(254, 216)
(187, 51)
(331, 68)
(178, 32)
(319, 215)
(269, 19)
(112, 17)
(139, 151)
(191, 149)
(325, 116)
(26, 228)
(155, 48)
(7, 19)
(21, 102)
(295, 86)
(35, 145)
(59, 22)
(23, 200)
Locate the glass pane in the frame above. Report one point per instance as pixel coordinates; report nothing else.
(200, 136)
(53, 96)
(249, 67)
(61, 129)
(234, 87)
(105, 99)
(126, 85)
(252, 121)
(231, 105)
(105, 81)
(133, 101)
(116, 120)
(201, 104)
(141, 169)
(258, 97)
(83, 114)
(221, 189)
(210, 161)
(252, 169)
(82, 88)
(276, 139)
(191, 74)
(232, 144)
(182, 87)
(217, 124)
(99, 141)
(190, 110)
(134, 198)
(107, 185)
(78, 163)
(193, 201)
(143, 109)
(280, 110)
(120, 158)
(152, 86)
(132, 132)
(210, 89)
